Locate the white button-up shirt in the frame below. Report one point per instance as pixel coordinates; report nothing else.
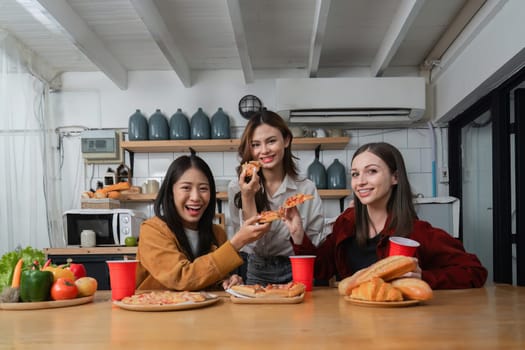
(277, 240)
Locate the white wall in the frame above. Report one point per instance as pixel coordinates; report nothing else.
(490, 57)
(91, 100)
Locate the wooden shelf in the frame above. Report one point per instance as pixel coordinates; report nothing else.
(94, 250)
(223, 196)
(227, 145)
(324, 194)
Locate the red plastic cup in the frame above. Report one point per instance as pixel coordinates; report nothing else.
(122, 278)
(403, 246)
(303, 269)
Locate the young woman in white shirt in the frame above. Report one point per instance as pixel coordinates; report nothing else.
(268, 139)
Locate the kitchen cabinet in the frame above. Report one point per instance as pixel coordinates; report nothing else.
(94, 259)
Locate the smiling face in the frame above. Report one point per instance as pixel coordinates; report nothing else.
(267, 146)
(372, 180)
(191, 194)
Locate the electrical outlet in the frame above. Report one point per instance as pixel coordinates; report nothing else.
(443, 175)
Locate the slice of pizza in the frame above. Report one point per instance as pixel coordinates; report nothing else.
(270, 215)
(296, 199)
(248, 290)
(249, 168)
(288, 290)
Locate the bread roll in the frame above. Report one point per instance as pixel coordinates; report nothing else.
(413, 288)
(388, 268)
(376, 290)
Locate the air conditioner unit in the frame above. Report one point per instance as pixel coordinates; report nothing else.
(352, 102)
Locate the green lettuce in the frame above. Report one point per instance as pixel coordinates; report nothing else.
(9, 260)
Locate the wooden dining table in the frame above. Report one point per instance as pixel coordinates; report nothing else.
(492, 317)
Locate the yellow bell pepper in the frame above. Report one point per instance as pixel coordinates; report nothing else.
(60, 272)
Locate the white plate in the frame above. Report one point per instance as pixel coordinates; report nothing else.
(368, 303)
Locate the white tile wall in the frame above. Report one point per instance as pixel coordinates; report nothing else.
(414, 145)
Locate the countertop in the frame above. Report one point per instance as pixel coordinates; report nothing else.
(492, 317)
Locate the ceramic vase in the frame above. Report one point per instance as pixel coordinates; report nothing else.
(158, 126)
(317, 172)
(179, 126)
(137, 126)
(336, 175)
(200, 126)
(220, 125)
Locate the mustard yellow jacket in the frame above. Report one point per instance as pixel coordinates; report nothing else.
(163, 264)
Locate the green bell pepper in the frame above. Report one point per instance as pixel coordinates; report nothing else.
(35, 285)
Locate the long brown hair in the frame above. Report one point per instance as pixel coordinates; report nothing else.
(245, 153)
(400, 205)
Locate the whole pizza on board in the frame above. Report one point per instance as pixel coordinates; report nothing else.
(164, 297)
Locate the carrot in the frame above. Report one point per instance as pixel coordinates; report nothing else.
(16, 274)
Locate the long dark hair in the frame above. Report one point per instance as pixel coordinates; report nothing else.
(165, 205)
(245, 153)
(400, 205)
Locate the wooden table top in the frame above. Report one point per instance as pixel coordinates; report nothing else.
(490, 318)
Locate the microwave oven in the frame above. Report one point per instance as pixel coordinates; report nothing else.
(111, 226)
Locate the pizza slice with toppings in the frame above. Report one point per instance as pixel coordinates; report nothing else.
(296, 199)
(286, 290)
(270, 215)
(250, 167)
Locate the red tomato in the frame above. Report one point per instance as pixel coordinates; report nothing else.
(78, 270)
(64, 288)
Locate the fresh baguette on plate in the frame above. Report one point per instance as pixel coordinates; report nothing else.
(413, 288)
(388, 269)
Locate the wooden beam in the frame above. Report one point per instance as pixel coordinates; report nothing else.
(81, 35)
(322, 8)
(240, 39)
(403, 19)
(152, 19)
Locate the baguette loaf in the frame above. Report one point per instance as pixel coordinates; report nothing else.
(376, 290)
(413, 288)
(388, 269)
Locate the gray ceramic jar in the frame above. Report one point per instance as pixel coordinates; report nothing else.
(200, 126)
(137, 126)
(336, 175)
(179, 126)
(317, 172)
(158, 126)
(220, 125)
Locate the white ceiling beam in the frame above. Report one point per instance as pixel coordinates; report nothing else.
(467, 12)
(234, 9)
(78, 32)
(165, 40)
(322, 7)
(403, 19)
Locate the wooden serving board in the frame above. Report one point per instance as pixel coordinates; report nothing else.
(46, 304)
(293, 300)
